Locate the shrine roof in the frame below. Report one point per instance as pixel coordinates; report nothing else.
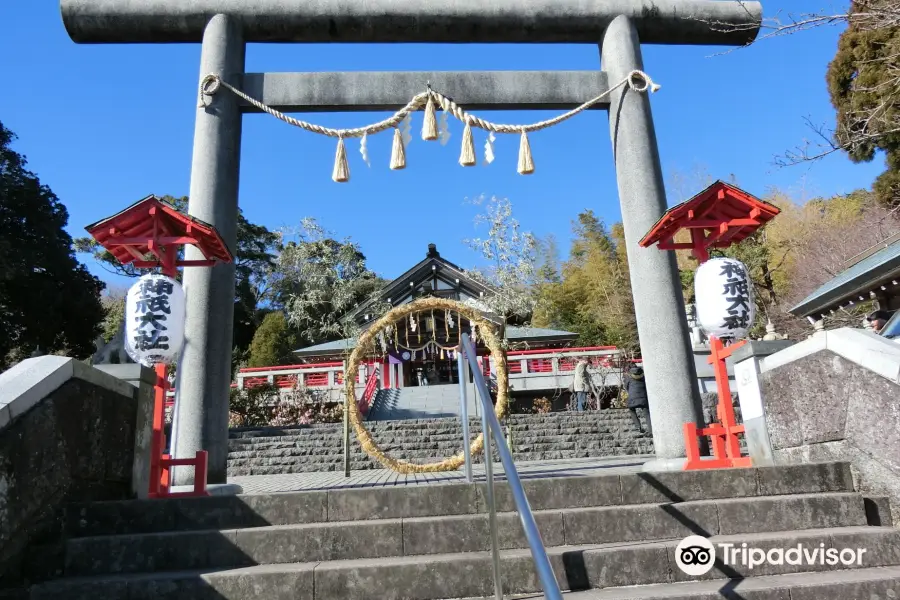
(151, 218)
(433, 265)
(876, 267)
(718, 203)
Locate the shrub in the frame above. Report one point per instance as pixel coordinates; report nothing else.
(266, 405)
(542, 406)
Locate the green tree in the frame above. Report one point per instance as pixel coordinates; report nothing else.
(49, 302)
(864, 86)
(114, 314)
(593, 295)
(320, 280)
(273, 343)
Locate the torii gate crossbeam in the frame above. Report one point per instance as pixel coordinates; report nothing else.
(224, 27)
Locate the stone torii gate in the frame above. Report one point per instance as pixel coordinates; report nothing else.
(224, 27)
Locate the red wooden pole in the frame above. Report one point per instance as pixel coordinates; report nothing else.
(158, 437)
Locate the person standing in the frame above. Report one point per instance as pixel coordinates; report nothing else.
(636, 388)
(878, 319)
(581, 384)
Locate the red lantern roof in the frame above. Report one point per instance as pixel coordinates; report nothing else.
(719, 216)
(149, 226)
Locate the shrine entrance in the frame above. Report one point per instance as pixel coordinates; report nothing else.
(225, 27)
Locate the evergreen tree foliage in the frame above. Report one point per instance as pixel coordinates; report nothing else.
(864, 84)
(273, 343)
(49, 302)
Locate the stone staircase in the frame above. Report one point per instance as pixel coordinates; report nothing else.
(608, 536)
(420, 402)
(533, 437)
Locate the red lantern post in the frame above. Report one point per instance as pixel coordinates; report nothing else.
(717, 217)
(152, 228)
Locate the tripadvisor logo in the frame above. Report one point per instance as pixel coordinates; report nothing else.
(696, 555)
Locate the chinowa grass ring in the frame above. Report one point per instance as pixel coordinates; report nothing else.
(366, 344)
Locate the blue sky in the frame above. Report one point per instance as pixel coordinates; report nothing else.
(105, 125)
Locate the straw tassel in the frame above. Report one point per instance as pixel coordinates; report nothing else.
(526, 163)
(430, 126)
(341, 173)
(398, 152)
(467, 155)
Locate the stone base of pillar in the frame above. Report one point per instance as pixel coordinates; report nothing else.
(214, 489)
(661, 465)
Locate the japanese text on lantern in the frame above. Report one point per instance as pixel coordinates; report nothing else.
(152, 311)
(737, 295)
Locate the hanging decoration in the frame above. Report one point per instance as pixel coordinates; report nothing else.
(489, 148)
(433, 327)
(467, 154)
(429, 100)
(429, 125)
(398, 152)
(154, 320)
(341, 173)
(526, 163)
(364, 149)
(724, 298)
(445, 128)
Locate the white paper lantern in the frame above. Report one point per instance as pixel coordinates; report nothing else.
(724, 298)
(154, 320)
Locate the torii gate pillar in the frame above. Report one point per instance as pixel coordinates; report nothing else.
(668, 361)
(204, 370)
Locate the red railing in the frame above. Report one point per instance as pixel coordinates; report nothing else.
(539, 365)
(292, 367)
(250, 382)
(559, 350)
(369, 393)
(316, 374)
(316, 379)
(284, 381)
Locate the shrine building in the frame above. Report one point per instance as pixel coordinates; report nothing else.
(421, 351)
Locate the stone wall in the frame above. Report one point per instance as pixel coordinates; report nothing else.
(823, 407)
(68, 436)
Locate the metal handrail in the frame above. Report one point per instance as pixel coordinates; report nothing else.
(491, 428)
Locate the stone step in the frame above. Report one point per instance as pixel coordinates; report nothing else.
(448, 499)
(467, 575)
(606, 426)
(430, 447)
(139, 553)
(334, 463)
(857, 584)
(336, 441)
(516, 421)
(442, 437)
